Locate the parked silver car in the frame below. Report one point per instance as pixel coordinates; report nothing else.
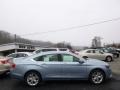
(19, 54)
(50, 49)
(59, 66)
(96, 54)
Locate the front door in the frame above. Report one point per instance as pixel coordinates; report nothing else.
(71, 68)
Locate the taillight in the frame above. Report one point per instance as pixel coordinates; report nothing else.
(10, 61)
(4, 62)
(13, 65)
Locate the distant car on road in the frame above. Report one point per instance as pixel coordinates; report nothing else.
(59, 65)
(96, 54)
(19, 54)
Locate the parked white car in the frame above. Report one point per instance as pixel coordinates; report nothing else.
(96, 54)
(50, 49)
(19, 54)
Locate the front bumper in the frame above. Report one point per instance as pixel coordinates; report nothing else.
(108, 74)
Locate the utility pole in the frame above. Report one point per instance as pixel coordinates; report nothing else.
(15, 39)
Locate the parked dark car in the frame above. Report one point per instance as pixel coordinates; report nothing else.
(118, 50)
(112, 51)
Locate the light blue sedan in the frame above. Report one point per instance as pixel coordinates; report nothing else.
(59, 65)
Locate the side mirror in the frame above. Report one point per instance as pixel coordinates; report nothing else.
(81, 62)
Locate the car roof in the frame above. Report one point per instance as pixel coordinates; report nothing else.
(52, 52)
(50, 48)
(22, 52)
(88, 49)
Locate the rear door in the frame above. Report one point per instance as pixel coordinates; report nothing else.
(99, 55)
(89, 54)
(50, 66)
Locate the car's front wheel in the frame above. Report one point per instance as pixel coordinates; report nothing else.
(32, 78)
(97, 77)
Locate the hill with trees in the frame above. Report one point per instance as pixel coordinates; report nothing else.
(6, 37)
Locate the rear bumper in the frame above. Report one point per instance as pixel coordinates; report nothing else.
(4, 71)
(5, 68)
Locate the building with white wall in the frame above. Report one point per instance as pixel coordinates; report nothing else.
(17, 47)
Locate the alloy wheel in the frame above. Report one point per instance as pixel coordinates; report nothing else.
(32, 79)
(97, 77)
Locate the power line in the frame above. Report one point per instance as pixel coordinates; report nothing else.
(82, 26)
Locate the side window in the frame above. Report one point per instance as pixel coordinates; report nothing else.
(69, 58)
(12, 55)
(38, 51)
(62, 49)
(39, 58)
(96, 51)
(17, 55)
(22, 55)
(25, 55)
(89, 51)
(47, 58)
(45, 50)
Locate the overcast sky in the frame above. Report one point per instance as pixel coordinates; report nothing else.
(31, 16)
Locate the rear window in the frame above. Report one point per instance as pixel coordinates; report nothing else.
(63, 49)
(22, 55)
(12, 55)
(45, 50)
(89, 51)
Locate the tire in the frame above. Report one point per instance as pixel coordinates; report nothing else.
(109, 59)
(115, 55)
(32, 78)
(97, 77)
(118, 56)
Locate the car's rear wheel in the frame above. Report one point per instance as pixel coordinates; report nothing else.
(97, 77)
(32, 78)
(108, 58)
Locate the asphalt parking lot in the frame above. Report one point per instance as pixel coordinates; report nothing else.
(6, 83)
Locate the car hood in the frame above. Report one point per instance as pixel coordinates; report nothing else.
(90, 61)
